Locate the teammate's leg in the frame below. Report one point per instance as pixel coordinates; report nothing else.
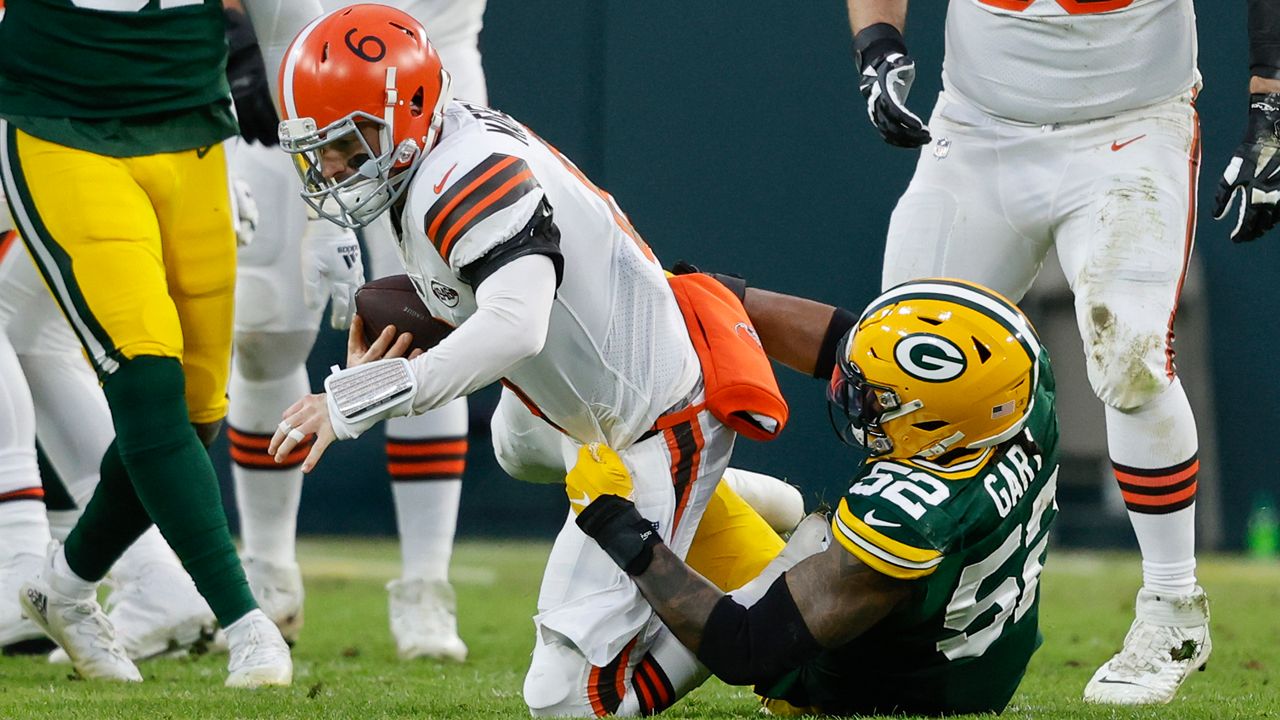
(1125, 252)
(24, 529)
(956, 219)
(274, 332)
(426, 456)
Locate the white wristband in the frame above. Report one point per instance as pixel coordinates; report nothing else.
(362, 396)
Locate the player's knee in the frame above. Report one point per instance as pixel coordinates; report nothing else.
(1127, 368)
(556, 684)
(207, 431)
(263, 356)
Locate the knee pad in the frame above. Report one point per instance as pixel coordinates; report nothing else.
(261, 356)
(1127, 367)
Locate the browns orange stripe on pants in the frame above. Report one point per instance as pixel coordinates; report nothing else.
(653, 688)
(249, 450)
(433, 459)
(685, 442)
(1161, 490)
(606, 686)
(29, 493)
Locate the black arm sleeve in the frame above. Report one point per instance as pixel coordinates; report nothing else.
(539, 237)
(842, 321)
(247, 76)
(753, 645)
(1264, 38)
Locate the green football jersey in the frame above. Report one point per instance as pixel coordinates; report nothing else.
(88, 65)
(971, 541)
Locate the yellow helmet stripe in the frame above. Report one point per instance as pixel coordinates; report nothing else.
(864, 552)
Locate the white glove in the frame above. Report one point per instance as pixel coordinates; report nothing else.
(245, 209)
(331, 270)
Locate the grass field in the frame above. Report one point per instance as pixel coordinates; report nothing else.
(346, 666)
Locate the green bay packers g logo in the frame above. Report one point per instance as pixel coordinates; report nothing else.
(931, 358)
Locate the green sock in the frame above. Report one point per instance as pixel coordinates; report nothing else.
(173, 480)
(112, 520)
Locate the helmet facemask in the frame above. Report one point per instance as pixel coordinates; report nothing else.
(863, 408)
(380, 179)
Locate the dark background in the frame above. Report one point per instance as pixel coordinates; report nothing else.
(733, 135)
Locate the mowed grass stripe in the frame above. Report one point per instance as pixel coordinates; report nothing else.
(346, 666)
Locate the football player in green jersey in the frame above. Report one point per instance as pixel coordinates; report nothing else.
(112, 115)
(927, 601)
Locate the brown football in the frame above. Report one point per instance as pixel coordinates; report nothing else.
(393, 300)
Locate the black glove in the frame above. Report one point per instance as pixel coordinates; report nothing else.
(247, 75)
(625, 536)
(736, 283)
(1253, 174)
(887, 74)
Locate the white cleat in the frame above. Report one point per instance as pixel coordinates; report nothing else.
(79, 626)
(424, 620)
(1168, 641)
(18, 634)
(278, 589)
(158, 611)
(259, 655)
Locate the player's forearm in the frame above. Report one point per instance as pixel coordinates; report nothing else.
(681, 597)
(795, 331)
(865, 13)
(509, 326)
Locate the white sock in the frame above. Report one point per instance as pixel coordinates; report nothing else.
(426, 455)
(267, 494)
(1153, 453)
(24, 528)
(65, 581)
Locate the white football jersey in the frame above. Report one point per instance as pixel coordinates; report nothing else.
(617, 352)
(1051, 61)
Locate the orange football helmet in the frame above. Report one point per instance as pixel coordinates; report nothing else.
(363, 64)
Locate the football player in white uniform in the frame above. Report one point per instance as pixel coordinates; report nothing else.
(550, 289)
(1072, 124)
(297, 264)
(1253, 174)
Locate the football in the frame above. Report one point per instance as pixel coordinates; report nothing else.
(393, 300)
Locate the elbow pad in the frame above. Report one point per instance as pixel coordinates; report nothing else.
(753, 645)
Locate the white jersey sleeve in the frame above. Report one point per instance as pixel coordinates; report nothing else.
(479, 202)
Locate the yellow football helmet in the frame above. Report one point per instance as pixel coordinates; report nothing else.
(934, 366)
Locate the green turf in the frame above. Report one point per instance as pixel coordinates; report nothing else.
(346, 667)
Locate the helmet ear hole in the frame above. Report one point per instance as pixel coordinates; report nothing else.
(984, 352)
(324, 53)
(930, 425)
(415, 103)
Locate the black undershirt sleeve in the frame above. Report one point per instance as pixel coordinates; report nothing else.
(1264, 38)
(842, 321)
(754, 645)
(539, 237)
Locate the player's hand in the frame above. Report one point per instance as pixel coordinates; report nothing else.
(388, 344)
(332, 270)
(305, 418)
(887, 74)
(598, 471)
(1253, 175)
(246, 211)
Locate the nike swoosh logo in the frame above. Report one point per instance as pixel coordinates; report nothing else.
(871, 519)
(440, 185)
(581, 502)
(1118, 146)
